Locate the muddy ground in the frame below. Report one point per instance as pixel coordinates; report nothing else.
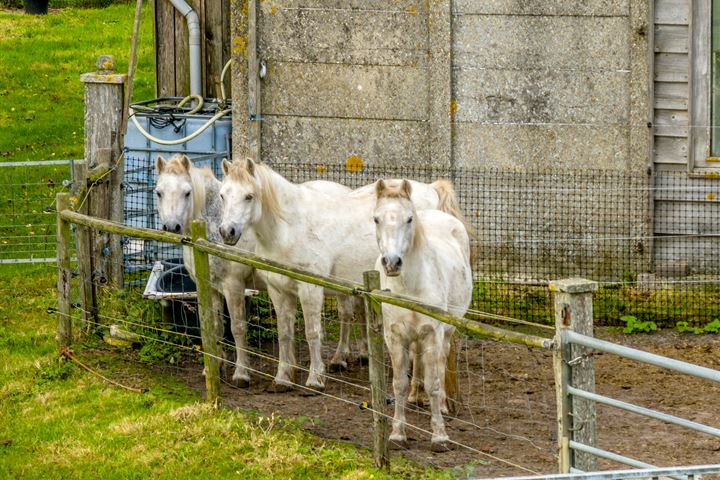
(507, 418)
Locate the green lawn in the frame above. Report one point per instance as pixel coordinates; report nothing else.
(41, 59)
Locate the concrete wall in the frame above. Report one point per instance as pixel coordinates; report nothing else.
(514, 86)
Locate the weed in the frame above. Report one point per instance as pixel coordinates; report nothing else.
(633, 325)
(685, 327)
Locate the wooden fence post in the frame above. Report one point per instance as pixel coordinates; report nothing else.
(207, 315)
(104, 96)
(574, 367)
(376, 355)
(64, 335)
(83, 249)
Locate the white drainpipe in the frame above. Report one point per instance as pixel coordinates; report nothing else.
(193, 23)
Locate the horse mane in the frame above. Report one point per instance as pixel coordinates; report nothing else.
(251, 172)
(448, 203)
(180, 165)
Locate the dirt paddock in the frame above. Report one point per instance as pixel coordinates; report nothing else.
(508, 406)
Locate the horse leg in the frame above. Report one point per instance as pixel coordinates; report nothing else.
(400, 365)
(285, 304)
(311, 300)
(433, 359)
(235, 297)
(359, 318)
(416, 383)
(452, 392)
(338, 363)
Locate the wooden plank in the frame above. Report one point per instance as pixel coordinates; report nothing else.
(343, 36)
(213, 41)
(376, 361)
(225, 43)
(671, 123)
(540, 96)
(682, 218)
(527, 42)
(182, 56)
(333, 141)
(593, 8)
(699, 253)
(671, 150)
(678, 187)
(346, 91)
(672, 12)
(672, 38)
(164, 48)
(412, 6)
(551, 147)
(83, 248)
(671, 96)
(700, 89)
(672, 67)
(254, 91)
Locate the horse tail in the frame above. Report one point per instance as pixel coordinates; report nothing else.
(448, 203)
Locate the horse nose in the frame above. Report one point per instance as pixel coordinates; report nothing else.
(164, 227)
(391, 263)
(177, 228)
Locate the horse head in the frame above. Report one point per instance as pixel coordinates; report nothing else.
(174, 193)
(395, 225)
(241, 196)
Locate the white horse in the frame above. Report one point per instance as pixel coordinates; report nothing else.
(328, 234)
(425, 255)
(185, 193)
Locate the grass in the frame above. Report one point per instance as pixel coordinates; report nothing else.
(43, 56)
(58, 421)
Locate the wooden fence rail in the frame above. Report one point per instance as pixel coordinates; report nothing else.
(369, 291)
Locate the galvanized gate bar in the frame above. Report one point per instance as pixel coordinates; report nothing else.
(628, 474)
(598, 452)
(640, 356)
(644, 411)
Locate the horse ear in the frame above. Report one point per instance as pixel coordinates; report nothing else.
(160, 163)
(380, 188)
(225, 166)
(250, 166)
(185, 161)
(406, 188)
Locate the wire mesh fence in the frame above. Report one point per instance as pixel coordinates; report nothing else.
(27, 214)
(655, 263)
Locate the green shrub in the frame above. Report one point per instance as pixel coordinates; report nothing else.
(633, 325)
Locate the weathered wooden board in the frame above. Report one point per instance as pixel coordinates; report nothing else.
(672, 38)
(595, 8)
(345, 91)
(681, 218)
(541, 96)
(671, 150)
(530, 42)
(672, 12)
(164, 30)
(672, 67)
(671, 123)
(412, 6)
(699, 253)
(343, 36)
(546, 147)
(677, 187)
(333, 141)
(671, 96)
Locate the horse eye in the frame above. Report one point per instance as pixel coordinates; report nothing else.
(222, 197)
(409, 220)
(249, 197)
(377, 220)
(187, 194)
(158, 193)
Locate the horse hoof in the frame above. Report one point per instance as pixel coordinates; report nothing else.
(441, 446)
(278, 388)
(337, 367)
(240, 382)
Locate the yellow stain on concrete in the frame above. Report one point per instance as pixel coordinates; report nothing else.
(453, 107)
(412, 10)
(239, 45)
(273, 9)
(354, 164)
(320, 168)
(711, 196)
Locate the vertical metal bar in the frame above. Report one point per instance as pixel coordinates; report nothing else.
(207, 315)
(376, 354)
(64, 335)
